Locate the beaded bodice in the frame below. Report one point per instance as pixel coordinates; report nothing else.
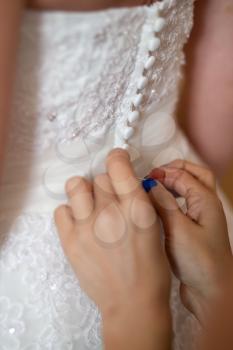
(98, 68)
(86, 82)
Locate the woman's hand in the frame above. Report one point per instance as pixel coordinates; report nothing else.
(111, 236)
(197, 243)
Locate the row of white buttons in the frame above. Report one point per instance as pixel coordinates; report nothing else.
(153, 45)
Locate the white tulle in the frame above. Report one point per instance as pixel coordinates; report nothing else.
(77, 77)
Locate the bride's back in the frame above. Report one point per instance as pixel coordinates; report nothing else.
(86, 82)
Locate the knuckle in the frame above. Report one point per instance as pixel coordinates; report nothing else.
(180, 175)
(74, 183)
(180, 163)
(108, 212)
(208, 174)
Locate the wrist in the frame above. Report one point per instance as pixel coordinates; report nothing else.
(202, 304)
(134, 324)
(201, 299)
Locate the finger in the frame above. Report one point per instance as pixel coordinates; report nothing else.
(103, 190)
(157, 173)
(80, 194)
(121, 173)
(65, 223)
(198, 197)
(202, 173)
(166, 205)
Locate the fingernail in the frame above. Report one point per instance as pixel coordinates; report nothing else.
(157, 173)
(148, 184)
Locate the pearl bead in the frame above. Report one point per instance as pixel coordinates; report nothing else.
(11, 330)
(142, 82)
(128, 133)
(43, 276)
(53, 286)
(133, 116)
(154, 44)
(150, 62)
(159, 24)
(137, 100)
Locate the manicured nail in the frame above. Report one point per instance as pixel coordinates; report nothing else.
(148, 184)
(157, 173)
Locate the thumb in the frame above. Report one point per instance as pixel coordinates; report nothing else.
(164, 203)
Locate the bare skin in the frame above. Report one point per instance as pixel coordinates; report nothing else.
(111, 236)
(207, 99)
(197, 242)
(10, 16)
(197, 246)
(196, 107)
(207, 103)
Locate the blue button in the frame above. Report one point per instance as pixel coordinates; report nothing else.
(148, 184)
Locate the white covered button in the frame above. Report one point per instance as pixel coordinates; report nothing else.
(137, 100)
(128, 132)
(133, 116)
(150, 62)
(159, 24)
(154, 44)
(143, 81)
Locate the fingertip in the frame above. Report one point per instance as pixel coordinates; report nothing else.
(157, 173)
(117, 152)
(63, 217)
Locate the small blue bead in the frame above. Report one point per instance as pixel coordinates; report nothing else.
(148, 184)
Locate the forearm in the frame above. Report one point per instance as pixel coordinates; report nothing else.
(138, 328)
(217, 328)
(207, 102)
(10, 15)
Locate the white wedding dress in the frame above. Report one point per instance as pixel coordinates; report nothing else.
(86, 82)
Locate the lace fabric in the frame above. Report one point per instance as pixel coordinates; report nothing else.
(77, 76)
(49, 310)
(86, 77)
(92, 65)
